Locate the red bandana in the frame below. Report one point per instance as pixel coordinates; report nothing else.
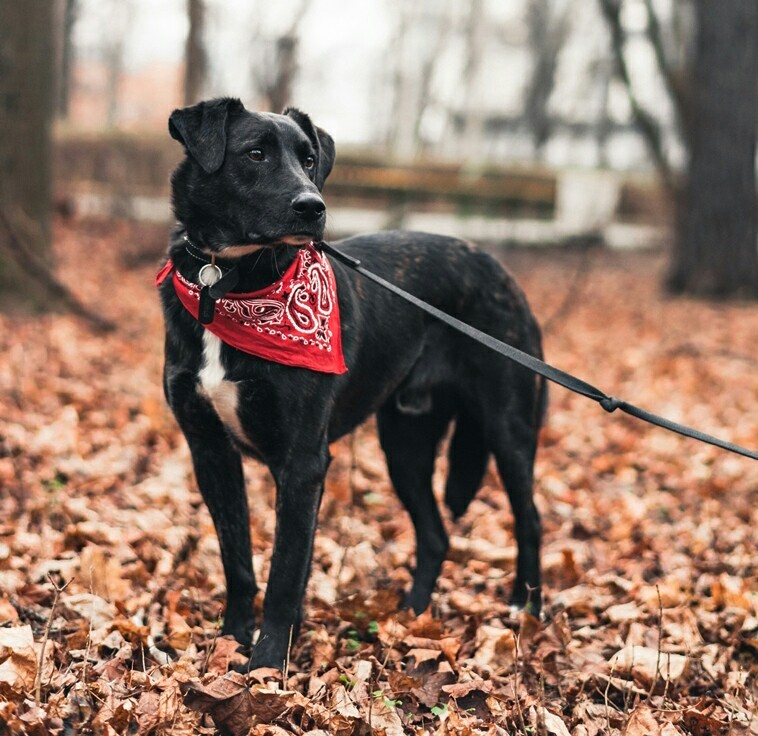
(295, 321)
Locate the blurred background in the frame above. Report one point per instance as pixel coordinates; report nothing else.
(619, 123)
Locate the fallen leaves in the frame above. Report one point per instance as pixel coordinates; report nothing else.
(647, 665)
(651, 613)
(18, 661)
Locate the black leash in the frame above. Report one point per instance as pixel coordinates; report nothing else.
(545, 370)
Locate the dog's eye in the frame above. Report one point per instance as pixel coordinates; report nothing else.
(309, 162)
(256, 154)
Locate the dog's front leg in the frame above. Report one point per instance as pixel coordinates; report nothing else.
(299, 488)
(218, 470)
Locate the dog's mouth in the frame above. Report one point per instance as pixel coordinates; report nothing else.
(238, 251)
(295, 239)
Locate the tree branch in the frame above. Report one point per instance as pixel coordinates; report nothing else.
(675, 91)
(648, 126)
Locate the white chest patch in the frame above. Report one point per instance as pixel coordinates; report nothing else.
(221, 393)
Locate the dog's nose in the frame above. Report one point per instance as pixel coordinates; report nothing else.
(309, 206)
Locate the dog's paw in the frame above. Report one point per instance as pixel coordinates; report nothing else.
(242, 632)
(530, 605)
(416, 602)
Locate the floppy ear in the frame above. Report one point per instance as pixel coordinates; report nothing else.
(322, 142)
(201, 129)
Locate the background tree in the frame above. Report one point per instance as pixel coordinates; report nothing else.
(714, 95)
(715, 250)
(275, 73)
(421, 30)
(195, 58)
(68, 11)
(26, 104)
(548, 28)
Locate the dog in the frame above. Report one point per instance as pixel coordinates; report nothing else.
(248, 206)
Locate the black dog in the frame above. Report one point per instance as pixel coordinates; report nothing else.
(248, 193)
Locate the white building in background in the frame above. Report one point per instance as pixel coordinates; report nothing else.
(416, 76)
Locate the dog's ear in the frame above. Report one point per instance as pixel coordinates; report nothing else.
(201, 129)
(322, 142)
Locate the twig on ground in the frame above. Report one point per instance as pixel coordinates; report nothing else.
(605, 697)
(660, 637)
(522, 723)
(286, 672)
(57, 595)
(212, 646)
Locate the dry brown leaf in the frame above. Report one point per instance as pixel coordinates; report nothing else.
(646, 664)
(642, 723)
(430, 689)
(8, 612)
(495, 647)
(703, 724)
(384, 720)
(116, 713)
(95, 609)
(422, 661)
(226, 699)
(223, 653)
(554, 724)
(179, 631)
(624, 612)
(18, 660)
(322, 648)
(101, 573)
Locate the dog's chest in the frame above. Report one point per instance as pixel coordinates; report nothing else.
(222, 394)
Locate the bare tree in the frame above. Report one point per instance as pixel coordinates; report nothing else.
(547, 32)
(275, 73)
(67, 12)
(473, 118)
(715, 250)
(26, 101)
(119, 19)
(414, 67)
(646, 122)
(195, 58)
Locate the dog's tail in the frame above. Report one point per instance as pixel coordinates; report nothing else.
(468, 456)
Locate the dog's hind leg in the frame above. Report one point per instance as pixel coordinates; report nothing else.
(468, 455)
(514, 446)
(218, 469)
(410, 445)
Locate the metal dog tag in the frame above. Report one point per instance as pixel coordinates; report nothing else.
(209, 274)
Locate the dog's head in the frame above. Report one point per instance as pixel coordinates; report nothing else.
(249, 178)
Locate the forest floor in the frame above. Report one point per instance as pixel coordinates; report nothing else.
(111, 589)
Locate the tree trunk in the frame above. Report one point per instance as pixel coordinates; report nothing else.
(26, 106)
(68, 12)
(715, 251)
(279, 92)
(547, 33)
(472, 134)
(195, 58)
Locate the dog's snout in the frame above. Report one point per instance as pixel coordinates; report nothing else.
(309, 206)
